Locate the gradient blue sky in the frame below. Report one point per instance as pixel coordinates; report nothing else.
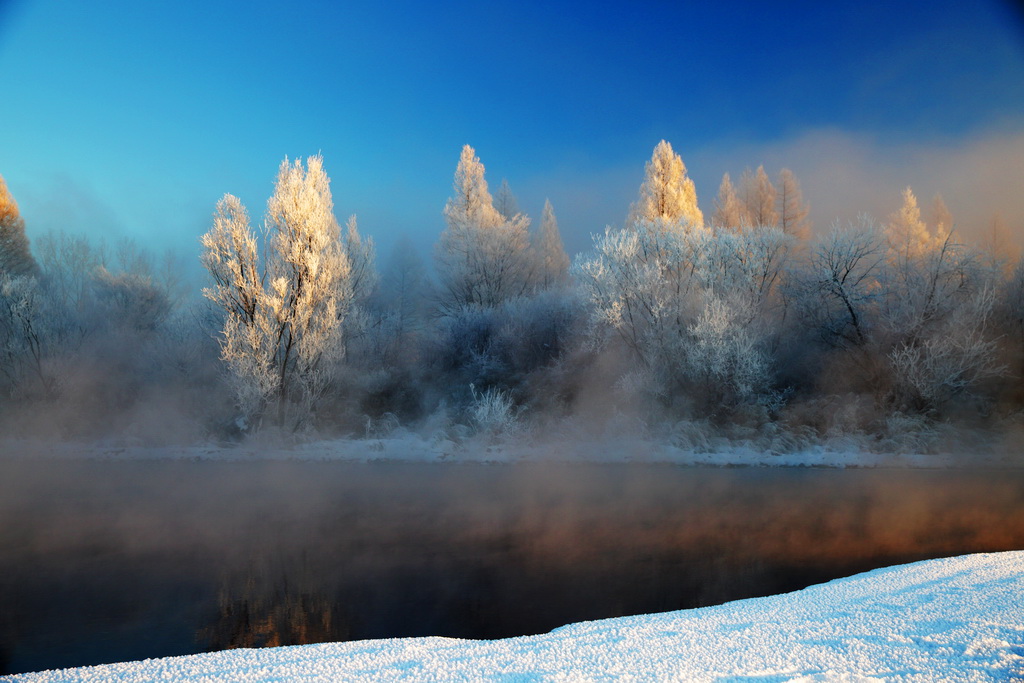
(133, 117)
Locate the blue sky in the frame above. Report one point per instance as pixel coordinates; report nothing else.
(133, 118)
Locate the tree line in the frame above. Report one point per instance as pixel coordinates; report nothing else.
(746, 318)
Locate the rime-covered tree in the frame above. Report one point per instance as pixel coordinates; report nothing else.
(505, 202)
(15, 256)
(760, 197)
(283, 316)
(939, 296)
(552, 267)
(908, 236)
(667, 196)
(791, 210)
(482, 258)
(25, 335)
(362, 258)
(839, 287)
(730, 212)
(690, 305)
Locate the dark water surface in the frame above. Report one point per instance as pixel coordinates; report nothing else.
(110, 561)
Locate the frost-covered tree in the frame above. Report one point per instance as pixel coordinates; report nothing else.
(792, 210)
(939, 296)
(362, 257)
(505, 202)
(908, 236)
(760, 197)
(552, 267)
(482, 258)
(932, 368)
(283, 315)
(15, 255)
(689, 305)
(667, 194)
(839, 287)
(26, 337)
(730, 212)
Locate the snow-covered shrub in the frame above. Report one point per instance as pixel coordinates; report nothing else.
(493, 412)
(724, 357)
(939, 297)
(934, 368)
(515, 347)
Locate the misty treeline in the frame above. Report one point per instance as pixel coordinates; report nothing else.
(742, 323)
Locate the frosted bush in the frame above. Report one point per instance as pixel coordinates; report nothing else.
(493, 411)
(909, 433)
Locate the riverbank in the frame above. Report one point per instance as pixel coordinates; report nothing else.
(957, 619)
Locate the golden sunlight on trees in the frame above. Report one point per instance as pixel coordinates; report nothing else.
(760, 196)
(792, 210)
(730, 212)
(747, 322)
(909, 237)
(759, 203)
(667, 195)
(483, 258)
(15, 256)
(282, 334)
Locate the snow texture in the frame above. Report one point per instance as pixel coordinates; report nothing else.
(954, 619)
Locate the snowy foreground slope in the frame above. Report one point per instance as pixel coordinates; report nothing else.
(955, 619)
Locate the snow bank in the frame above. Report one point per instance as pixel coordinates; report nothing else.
(957, 619)
(404, 446)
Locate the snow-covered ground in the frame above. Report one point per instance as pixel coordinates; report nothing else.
(406, 446)
(955, 619)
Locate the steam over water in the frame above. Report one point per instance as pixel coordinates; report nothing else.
(108, 561)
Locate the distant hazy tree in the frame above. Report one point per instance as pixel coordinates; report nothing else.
(999, 243)
(941, 218)
(552, 262)
(760, 197)
(483, 258)
(1010, 312)
(667, 195)
(283, 316)
(505, 202)
(396, 311)
(362, 258)
(68, 263)
(791, 209)
(131, 299)
(730, 212)
(403, 284)
(15, 256)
